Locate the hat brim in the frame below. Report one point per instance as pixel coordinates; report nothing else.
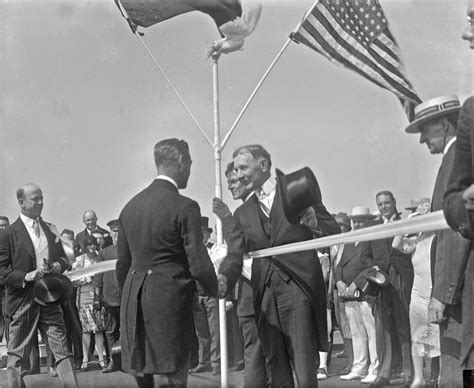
(52, 289)
(414, 126)
(411, 208)
(362, 216)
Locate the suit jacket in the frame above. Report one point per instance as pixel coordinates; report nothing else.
(230, 229)
(107, 281)
(82, 235)
(17, 258)
(460, 219)
(302, 267)
(160, 254)
(452, 250)
(353, 261)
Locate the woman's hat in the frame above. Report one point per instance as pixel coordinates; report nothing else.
(52, 289)
(361, 212)
(436, 107)
(342, 219)
(298, 191)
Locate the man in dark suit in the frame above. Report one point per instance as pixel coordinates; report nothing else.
(160, 254)
(458, 208)
(255, 374)
(349, 282)
(89, 218)
(392, 305)
(107, 282)
(436, 122)
(289, 290)
(29, 250)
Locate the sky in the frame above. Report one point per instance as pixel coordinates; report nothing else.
(82, 104)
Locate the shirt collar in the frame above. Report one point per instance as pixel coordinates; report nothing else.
(385, 220)
(266, 188)
(27, 220)
(167, 178)
(448, 145)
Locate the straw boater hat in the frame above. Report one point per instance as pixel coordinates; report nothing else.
(359, 212)
(436, 107)
(417, 201)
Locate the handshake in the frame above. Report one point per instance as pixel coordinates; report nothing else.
(48, 267)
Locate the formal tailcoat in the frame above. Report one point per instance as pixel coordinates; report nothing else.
(353, 261)
(107, 281)
(17, 258)
(302, 267)
(461, 220)
(160, 255)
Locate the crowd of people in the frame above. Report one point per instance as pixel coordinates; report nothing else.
(398, 302)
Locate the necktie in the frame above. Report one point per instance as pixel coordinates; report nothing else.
(36, 228)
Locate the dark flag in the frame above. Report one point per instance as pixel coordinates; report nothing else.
(355, 34)
(145, 13)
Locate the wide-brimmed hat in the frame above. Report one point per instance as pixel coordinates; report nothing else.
(52, 289)
(298, 191)
(417, 201)
(436, 107)
(359, 212)
(342, 219)
(205, 224)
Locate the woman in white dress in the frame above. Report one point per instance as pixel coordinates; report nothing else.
(424, 335)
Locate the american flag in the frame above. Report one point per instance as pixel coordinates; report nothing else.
(355, 33)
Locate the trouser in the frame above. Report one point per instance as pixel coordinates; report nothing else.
(176, 379)
(450, 331)
(206, 322)
(112, 326)
(362, 324)
(287, 331)
(255, 373)
(27, 319)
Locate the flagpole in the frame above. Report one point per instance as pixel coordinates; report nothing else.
(203, 133)
(280, 53)
(218, 192)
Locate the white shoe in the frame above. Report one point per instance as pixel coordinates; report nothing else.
(352, 376)
(368, 379)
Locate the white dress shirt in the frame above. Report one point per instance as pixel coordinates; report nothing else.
(167, 178)
(40, 244)
(266, 194)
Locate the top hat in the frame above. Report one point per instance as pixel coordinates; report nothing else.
(361, 212)
(342, 219)
(417, 201)
(298, 191)
(374, 278)
(52, 289)
(205, 224)
(436, 107)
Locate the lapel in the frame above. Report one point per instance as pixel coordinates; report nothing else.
(49, 236)
(254, 218)
(350, 252)
(276, 215)
(23, 238)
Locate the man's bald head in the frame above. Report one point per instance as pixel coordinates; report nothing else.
(30, 199)
(90, 219)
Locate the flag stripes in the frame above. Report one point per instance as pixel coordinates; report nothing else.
(354, 33)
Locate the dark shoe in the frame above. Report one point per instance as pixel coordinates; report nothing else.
(36, 370)
(110, 368)
(380, 382)
(342, 354)
(216, 370)
(102, 365)
(84, 366)
(52, 371)
(237, 367)
(200, 369)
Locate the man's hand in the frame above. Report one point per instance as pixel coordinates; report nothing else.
(468, 196)
(34, 275)
(308, 218)
(228, 305)
(351, 289)
(51, 267)
(436, 311)
(220, 209)
(341, 288)
(221, 286)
